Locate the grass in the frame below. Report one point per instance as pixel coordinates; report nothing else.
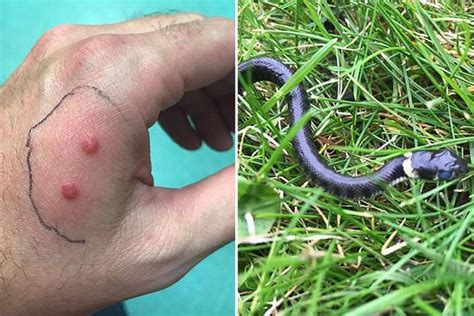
(383, 78)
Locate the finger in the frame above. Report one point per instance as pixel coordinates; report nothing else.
(176, 124)
(223, 87)
(178, 227)
(222, 92)
(199, 218)
(183, 58)
(203, 50)
(152, 23)
(211, 220)
(146, 24)
(207, 120)
(226, 107)
(67, 34)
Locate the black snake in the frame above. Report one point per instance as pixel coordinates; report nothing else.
(431, 165)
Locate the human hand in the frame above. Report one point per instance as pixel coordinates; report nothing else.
(82, 226)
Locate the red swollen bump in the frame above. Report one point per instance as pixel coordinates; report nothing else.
(69, 191)
(90, 145)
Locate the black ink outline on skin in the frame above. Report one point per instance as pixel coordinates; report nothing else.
(30, 149)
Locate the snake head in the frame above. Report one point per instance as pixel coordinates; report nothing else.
(440, 165)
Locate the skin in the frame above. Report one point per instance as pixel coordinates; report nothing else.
(90, 162)
(90, 145)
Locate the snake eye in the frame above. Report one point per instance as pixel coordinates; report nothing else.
(445, 175)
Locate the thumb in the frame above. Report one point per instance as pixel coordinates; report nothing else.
(209, 215)
(198, 218)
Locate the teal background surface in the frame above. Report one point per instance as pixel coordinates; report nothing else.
(209, 288)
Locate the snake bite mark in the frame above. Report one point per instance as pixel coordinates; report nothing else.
(69, 191)
(90, 145)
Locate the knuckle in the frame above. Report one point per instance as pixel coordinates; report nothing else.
(62, 30)
(95, 50)
(102, 43)
(52, 38)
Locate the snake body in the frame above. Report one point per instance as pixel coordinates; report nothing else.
(430, 165)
